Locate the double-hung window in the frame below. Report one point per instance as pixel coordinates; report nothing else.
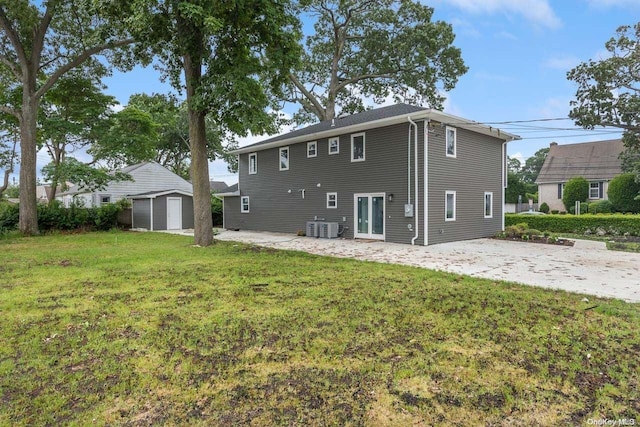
(334, 145)
(488, 204)
(450, 141)
(244, 204)
(284, 159)
(594, 190)
(450, 206)
(332, 200)
(253, 163)
(312, 149)
(357, 147)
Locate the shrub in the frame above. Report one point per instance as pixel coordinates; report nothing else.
(575, 190)
(612, 224)
(531, 232)
(516, 230)
(584, 208)
(544, 208)
(555, 212)
(623, 189)
(603, 206)
(106, 216)
(216, 210)
(9, 216)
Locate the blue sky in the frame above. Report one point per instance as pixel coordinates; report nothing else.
(518, 53)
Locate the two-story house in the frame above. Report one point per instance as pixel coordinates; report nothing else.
(400, 174)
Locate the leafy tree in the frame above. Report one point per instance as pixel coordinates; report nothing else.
(624, 193)
(608, 92)
(533, 165)
(513, 165)
(234, 59)
(365, 48)
(41, 42)
(73, 113)
(515, 187)
(575, 190)
(86, 177)
(8, 156)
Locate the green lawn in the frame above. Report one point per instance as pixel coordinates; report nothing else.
(140, 329)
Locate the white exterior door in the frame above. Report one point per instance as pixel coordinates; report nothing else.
(174, 213)
(369, 215)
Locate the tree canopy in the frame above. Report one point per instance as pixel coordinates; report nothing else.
(376, 49)
(532, 166)
(608, 92)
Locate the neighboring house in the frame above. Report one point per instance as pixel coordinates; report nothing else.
(161, 200)
(598, 162)
(217, 186)
(400, 174)
(43, 192)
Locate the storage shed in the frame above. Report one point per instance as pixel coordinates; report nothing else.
(162, 210)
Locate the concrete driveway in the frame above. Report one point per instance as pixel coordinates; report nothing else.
(588, 267)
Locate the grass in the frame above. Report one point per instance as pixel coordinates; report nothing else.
(614, 243)
(143, 329)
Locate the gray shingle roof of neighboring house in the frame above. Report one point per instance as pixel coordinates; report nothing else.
(382, 116)
(231, 190)
(217, 186)
(591, 160)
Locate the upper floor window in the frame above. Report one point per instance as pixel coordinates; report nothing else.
(450, 206)
(284, 159)
(488, 204)
(334, 145)
(312, 149)
(357, 147)
(244, 204)
(253, 163)
(451, 141)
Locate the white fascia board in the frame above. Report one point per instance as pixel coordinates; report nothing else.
(163, 193)
(434, 115)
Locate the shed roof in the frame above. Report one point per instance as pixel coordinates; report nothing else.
(599, 160)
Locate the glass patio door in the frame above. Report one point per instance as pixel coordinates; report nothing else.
(369, 216)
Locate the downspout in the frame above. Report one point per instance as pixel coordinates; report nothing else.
(426, 182)
(409, 165)
(504, 179)
(151, 212)
(415, 172)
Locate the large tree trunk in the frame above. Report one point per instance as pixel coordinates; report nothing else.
(28, 223)
(203, 223)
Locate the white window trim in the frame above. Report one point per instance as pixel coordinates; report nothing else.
(484, 207)
(337, 140)
(280, 158)
(335, 200)
(315, 152)
(594, 188)
(364, 147)
(455, 142)
(255, 171)
(242, 203)
(102, 196)
(446, 194)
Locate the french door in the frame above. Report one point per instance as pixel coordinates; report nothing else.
(369, 215)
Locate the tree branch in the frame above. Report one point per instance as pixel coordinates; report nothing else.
(77, 61)
(38, 38)
(13, 37)
(12, 67)
(353, 80)
(11, 111)
(310, 96)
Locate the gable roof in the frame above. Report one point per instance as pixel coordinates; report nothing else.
(232, 190)
(154, 194)
(591, 160)
(217, 186)
(369, 119)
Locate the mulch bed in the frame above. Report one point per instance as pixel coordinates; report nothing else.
(539, 239)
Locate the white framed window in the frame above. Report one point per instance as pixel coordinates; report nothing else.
(244, 204)
(450, 206)
(105, 199)
(284, 158)
(357, 147)
(334, 145)
(450, 141)
(312, 149)
(488, 204)
(560, 190)
(332, 200)
(253, 163)
(594, 190)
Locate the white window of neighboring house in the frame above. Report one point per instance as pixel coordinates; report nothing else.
(594, 190)
(244, 204)
(253, 163)
(334, 145)
(488, 204)
(560, 190)
(104, 199)
(451, 141)
(312, 149)
(284, 159)
(357, 147)
(450, 206)
(332, 200)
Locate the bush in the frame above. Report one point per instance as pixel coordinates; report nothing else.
(555, 212)
(575, 190)
(544, 208)
(603, 206)
(106, 216)
(584, 208)
(616, 224)
(216, 210)
(623, 189)
(516, 230)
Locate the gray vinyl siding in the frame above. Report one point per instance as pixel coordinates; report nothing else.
(273, 208)
(476, 169)
(141, 213)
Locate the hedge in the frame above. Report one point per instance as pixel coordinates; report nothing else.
(616, 224)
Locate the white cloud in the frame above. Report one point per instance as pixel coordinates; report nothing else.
(463, 27)
(613, 3)
(538, 12)
(564, 63)
(505, 35)
(553, 107)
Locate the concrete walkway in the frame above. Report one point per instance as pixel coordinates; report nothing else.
(588, 267)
